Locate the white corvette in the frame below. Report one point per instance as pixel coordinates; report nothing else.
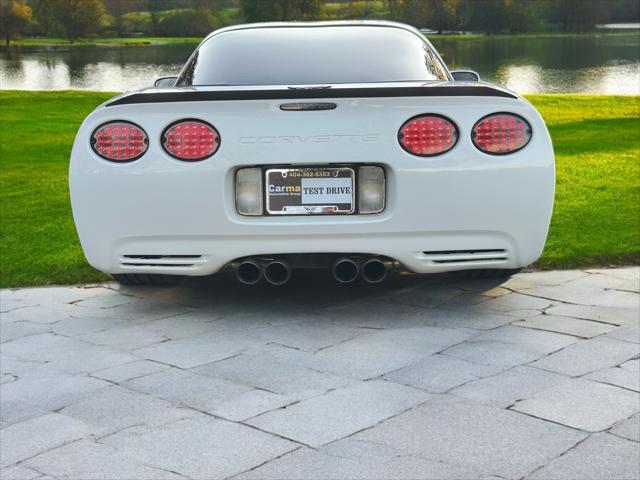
(345, 145)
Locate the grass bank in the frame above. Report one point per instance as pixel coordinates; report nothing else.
(596, 219)
(30, 44)
(536, 35)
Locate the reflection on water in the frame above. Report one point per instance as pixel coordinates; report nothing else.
(116, 70)
(591, 64)
(30, 74)
(582, 64)
(612, 79)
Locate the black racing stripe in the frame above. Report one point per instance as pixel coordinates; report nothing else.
(295, 94)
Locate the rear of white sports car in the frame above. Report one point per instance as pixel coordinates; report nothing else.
(347, 146)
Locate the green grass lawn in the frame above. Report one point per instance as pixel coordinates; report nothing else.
(596, 219)
(596, 216)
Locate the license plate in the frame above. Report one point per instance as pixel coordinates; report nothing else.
(310, 191)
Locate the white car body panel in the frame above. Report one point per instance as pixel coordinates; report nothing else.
(494, 210)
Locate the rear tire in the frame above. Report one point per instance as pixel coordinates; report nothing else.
(147, 279)
(487, 273)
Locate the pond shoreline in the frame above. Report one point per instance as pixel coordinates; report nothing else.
(38, 45)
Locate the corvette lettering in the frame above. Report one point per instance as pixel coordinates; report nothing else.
(369, 137)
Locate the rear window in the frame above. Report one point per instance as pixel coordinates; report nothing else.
(312, 56)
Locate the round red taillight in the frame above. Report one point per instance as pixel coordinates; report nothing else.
(190, 140)
(428, 135)
(119, 141)
(501, 133)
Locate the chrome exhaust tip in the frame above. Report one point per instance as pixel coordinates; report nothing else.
(374, 270)
(277, 272)
(249, 272)
(345, 270)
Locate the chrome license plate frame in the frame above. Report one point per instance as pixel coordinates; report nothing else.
(310, 191)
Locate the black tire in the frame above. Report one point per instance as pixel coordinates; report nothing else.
(147, 279)
(487, 273)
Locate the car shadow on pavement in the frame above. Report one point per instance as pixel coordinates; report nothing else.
(309, 290)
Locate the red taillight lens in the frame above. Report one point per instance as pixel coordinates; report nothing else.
(501, 133)
(428, 135)
(119, 141)
(190, 140)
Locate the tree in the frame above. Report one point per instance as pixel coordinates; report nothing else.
(118, 11)
(79, 18)
(624, 11)
(442, 15)
(359, 9)
(282, 10)
(44, 15)
(301, 9)
(489, 16)
(154, 8)
(580, 17)
(257, 10)
(13, 17)
(395, 8)
(414, 12)
(524, 16)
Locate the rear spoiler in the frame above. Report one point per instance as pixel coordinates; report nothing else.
(179, 95)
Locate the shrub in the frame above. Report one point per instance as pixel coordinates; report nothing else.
(136, 22)
(187, 23)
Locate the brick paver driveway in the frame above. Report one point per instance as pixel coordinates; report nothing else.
(420, 378)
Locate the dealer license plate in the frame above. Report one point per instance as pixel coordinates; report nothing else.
(309, 191)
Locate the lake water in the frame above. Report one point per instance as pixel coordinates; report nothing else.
(603, 63)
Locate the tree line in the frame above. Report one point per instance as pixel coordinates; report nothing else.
(74, 19)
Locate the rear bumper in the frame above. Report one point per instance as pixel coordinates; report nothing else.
(422, 253)
(184, 221)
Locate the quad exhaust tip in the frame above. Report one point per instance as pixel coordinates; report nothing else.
(249, 272)
(374, 270)
(345, 270)
(277, 272)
